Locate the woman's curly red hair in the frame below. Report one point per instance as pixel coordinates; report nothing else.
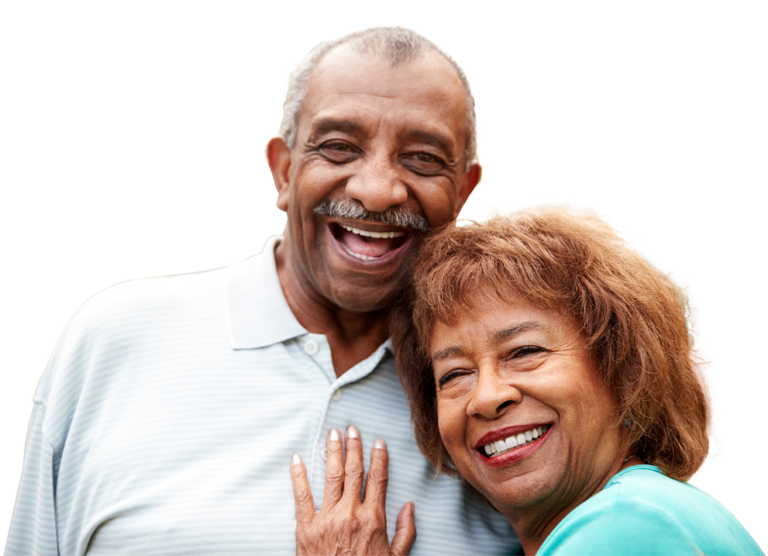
(632, 315)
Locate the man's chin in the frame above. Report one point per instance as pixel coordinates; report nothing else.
(368, 298)
(358, 285)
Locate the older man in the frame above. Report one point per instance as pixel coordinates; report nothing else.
(171, 407)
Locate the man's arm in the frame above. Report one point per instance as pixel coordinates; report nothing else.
(33, 525)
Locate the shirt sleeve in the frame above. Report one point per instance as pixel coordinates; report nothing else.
(620, 527)
(33, 525)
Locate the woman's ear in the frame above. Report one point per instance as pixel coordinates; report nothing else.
(279, 158)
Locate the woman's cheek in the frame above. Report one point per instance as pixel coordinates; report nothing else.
(452, 424)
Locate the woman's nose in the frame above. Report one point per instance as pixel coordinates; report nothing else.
(377, 185)
(492, 395)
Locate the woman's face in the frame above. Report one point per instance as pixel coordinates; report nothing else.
(521, 408)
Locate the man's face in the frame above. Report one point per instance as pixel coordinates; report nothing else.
(378, 141)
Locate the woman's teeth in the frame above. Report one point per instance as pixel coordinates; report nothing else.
(503, 446)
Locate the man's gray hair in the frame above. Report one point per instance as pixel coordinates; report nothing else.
(396, 44)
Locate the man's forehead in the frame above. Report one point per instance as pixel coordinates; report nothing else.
(342, 82)
(346, 61)
(347, 53)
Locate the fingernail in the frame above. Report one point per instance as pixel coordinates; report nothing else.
(380, 445)
(352, 432)
(295, 460)
(335, 436)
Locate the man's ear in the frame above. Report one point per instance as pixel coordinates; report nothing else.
(471, 179)
(279, 158)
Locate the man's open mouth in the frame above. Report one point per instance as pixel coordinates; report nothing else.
(368, 245)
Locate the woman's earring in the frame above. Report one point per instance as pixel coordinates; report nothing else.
(629, 424)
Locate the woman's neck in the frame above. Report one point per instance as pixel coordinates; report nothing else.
(533, 524)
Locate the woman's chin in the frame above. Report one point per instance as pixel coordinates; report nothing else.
(509, 493)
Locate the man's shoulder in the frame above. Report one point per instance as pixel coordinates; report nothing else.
(123, 328)
(136, 310)
(191, 295)
(156, 292)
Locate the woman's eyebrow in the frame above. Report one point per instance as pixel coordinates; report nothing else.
(498, 336)
(447, 352)
(518, 329)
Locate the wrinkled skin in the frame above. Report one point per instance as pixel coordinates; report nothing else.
(345, 524)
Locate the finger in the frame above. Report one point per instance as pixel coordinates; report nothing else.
(302, 494)
(405, 531)
(376, 483)
(334, 469)
(354, 472)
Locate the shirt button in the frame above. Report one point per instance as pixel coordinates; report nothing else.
(311, 347)
(324, 454)
(336, 396)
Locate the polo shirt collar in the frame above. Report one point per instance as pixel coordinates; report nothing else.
(257, 313)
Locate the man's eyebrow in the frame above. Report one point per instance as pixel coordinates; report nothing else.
(498, 336)
(321, 127)
(439, 140)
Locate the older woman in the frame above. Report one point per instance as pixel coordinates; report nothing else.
(550, 365)
(552, 368)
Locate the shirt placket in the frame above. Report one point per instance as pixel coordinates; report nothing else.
(316, 347)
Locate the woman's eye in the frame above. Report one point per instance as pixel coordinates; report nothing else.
(451, 375)
(525, 350)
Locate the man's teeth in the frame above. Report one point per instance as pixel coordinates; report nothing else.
(386, 235)
(358, 255)
(503, 446)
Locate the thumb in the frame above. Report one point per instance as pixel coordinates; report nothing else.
(405, 531)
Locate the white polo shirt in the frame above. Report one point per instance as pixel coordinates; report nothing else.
(168, 414)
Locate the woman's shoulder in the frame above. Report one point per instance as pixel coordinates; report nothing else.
(642, 511)
(648, 483)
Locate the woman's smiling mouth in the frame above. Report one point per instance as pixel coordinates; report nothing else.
(510, 445)
(514, 441)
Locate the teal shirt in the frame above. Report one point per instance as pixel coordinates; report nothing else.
(641, 512)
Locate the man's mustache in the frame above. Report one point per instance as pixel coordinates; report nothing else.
(394, 216)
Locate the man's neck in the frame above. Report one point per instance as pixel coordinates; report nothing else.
(352, 336)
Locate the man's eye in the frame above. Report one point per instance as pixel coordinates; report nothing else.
(339, 152)
(423, 163)
(342, 147)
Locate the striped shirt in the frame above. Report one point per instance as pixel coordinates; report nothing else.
(167, 416)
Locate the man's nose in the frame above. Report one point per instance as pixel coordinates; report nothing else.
(377, 185)
(493, 394)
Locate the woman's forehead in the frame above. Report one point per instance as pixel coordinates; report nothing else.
(477, 301)
(489, 317)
